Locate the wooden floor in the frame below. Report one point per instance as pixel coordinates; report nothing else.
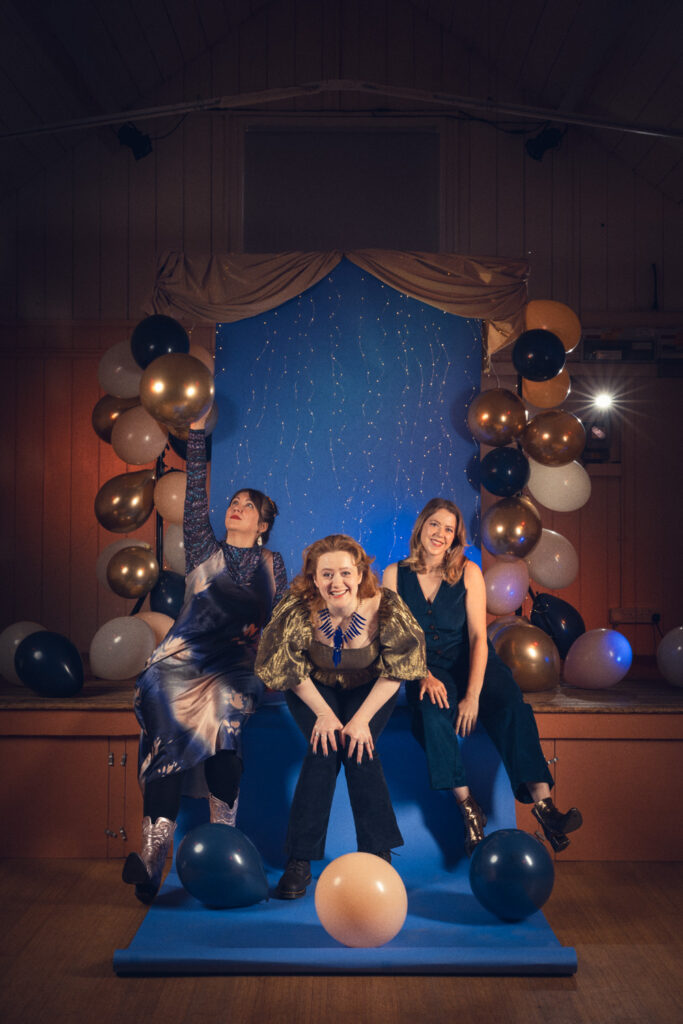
(62, 919)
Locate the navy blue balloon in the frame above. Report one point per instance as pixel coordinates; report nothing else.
(221, 867)
(511, 874)
(155, 336)
(504, 471)
(538, 355)
(168, 593)
(558, 619)
(179, 446)
(50, 664)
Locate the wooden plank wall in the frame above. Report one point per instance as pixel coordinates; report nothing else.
(81, 241)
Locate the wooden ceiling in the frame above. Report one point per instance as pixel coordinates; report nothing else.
(619, 60)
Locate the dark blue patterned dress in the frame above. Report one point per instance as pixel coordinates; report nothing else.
(199, 686)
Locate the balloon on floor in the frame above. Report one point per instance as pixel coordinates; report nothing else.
(120, 648)
(50, 664)
(221, 867)
(511, 874)
(361, 900)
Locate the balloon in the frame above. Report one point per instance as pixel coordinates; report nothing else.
(221, 867)
(554, 562)
(361, 900)
(554, 438)
(179, 446)
(106, 413)
(511, 874)
(125, 502)
(169, 495)
(174, 548)
(538, 355)
(203, 354)
(670, 656)
(546, 394)
(511, 528)
(10, 638)
(118, 373)
(560, 488)
(120, 648)
(496, 417)
(530, 655)
(132, 572)
(168, 594)
(177, 390)
(546, 315)
(507, 584)
(157, 622)
(559, 619)
(137, 438)
(504, 471)
(156, 336)
(107, 553)
(50, 664)
(498, 625)
(181, 433)
(597, 659)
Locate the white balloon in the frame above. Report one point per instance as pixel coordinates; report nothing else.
(560, 488)
(670, 656)
(597, 659)
(174, 548)
(106, 554)
(137, 437)
(121, 647)
(118, 373)
(553, 563)
(10, 639)
(507, 584)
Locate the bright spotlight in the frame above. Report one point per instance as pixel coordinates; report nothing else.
(603, 400)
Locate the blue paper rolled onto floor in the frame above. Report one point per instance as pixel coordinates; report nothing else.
(446, 930)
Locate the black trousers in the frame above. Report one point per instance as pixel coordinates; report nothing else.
(373, 814)
(223, 772)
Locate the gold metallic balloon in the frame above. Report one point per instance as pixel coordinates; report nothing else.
(132, 572)
(496, 417)
(531, 656)
(546, 394)
(106, 413)
(511, 528)
(125, 502)
(177, 389)
(554, 438)
(547, 315)
(212, 419)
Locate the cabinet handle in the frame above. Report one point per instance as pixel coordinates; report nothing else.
(124, 758)
(110, 760)
(122, 833)
(112, 835)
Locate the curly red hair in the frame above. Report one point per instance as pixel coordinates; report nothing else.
(303, 585)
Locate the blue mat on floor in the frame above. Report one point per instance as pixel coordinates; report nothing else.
(446, 931)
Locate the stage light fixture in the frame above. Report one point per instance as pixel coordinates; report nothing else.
(139, 144)
(547, 138)
(603, 400)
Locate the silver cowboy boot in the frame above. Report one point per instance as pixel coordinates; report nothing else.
(144, 870)
(222, 813)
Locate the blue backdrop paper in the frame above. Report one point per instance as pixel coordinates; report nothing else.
(347, 405)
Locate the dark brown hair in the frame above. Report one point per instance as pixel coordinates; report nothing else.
(303, 585)
(265, 506)
(454, 557)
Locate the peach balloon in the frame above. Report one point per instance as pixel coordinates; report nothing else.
(361, 900)
(169, 496)
(203, 355)
(546, 394)
(547, 315)
(531, 656)
(137, 437)
(118, 373)
(174, 548)
(157, 622)
(507, 584)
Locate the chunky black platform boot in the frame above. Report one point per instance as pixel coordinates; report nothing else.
(474, 820)
(292, 885)
(555, 825)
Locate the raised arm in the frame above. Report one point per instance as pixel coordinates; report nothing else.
(198, 536)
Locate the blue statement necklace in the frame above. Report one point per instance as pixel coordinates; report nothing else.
(339, 636)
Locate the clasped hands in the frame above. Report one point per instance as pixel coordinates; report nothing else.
(356, 731)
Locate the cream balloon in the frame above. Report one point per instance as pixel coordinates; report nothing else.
(121, 647)
(174, 548)
(118, 373)
(203, 354)
(361, 900)
(137, 437)
(10, 638)
(560, 488)
(597, 659)
(553, 562)
(670, 656)
(157, 622)
(169, 496)
(507, 584)
(107, 553)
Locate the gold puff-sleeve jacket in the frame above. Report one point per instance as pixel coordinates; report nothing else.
(283, 659)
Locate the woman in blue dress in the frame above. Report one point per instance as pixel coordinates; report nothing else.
(199, 687)
(466, 680)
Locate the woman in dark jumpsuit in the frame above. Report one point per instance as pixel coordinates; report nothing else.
(466, 680)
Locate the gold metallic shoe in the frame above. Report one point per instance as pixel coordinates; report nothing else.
(555, 824)
(222, 813)
(474, 820)
(144, 869)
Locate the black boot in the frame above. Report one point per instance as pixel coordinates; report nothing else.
(474, 820)
(555, 825)
(296, 877)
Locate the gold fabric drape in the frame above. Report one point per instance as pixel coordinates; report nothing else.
(229, 287)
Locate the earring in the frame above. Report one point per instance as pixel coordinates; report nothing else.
(259, 540)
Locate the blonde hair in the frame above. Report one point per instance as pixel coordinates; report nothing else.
(303, 585)
(454, 558)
